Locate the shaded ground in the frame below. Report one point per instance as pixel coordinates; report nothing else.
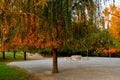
(86, 69)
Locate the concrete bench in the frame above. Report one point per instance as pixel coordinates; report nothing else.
(76, 57)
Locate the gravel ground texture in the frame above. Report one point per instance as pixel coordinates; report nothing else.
(88, 68)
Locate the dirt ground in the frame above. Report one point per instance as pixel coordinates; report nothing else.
(85, 69)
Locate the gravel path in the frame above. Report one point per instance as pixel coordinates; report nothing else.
(86, 69)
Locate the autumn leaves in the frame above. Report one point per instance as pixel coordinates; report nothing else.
(112, 19)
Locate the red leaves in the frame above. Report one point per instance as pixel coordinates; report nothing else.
(112, 50)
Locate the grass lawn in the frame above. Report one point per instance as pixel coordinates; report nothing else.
(10, 56)
(13, 73)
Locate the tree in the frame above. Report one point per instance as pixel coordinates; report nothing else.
(56, 20)
(112, 20)
(19, 24)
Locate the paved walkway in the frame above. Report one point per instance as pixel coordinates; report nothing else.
(86, 69)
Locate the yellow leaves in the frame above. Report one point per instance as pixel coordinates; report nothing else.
(26, 19)
(109, 10)
(48, 44)
(114, 24)
(37, 21)
(20, 11)
(112, 19)
(13, 22)
(57, 32)
(54, 44)
(101, 22)
(113, 32)
(43, 3)
(16, 42)
(54, 33)
(5, 30)
(112, 8)
(2, 3)
(34, 38)
(41, 37)
(106, 11)
(32, 21)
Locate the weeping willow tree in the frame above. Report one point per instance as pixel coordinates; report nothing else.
(56, 23)
(19, 24)
(11, 23)
(4, 8)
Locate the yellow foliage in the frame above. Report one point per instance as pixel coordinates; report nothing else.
(112, 8)
(115, 23)
(113, 20)
(5, 30)
(106, 11)
(43, 3)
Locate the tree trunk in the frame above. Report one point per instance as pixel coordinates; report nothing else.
(55, 65)
(87, 53)
(14, 54)
(24, 55)
(109, 54)
(3, 54)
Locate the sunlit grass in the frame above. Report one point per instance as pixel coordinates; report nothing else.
(9, 56)
(13, 73)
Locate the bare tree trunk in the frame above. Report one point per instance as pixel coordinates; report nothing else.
(109, 54)
(24, 55)
(87, 53)
(14, 54)
(55, 65)
(3, 54)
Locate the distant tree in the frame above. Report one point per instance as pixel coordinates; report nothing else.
(112, 19)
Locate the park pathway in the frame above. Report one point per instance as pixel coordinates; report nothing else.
(85, 69)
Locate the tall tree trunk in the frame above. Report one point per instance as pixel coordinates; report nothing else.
(3, 54)
(109, 54)
(87, 53)
(55, 65)
(14, 54)
(24, 55)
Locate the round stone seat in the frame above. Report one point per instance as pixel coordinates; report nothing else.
(76, 57)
